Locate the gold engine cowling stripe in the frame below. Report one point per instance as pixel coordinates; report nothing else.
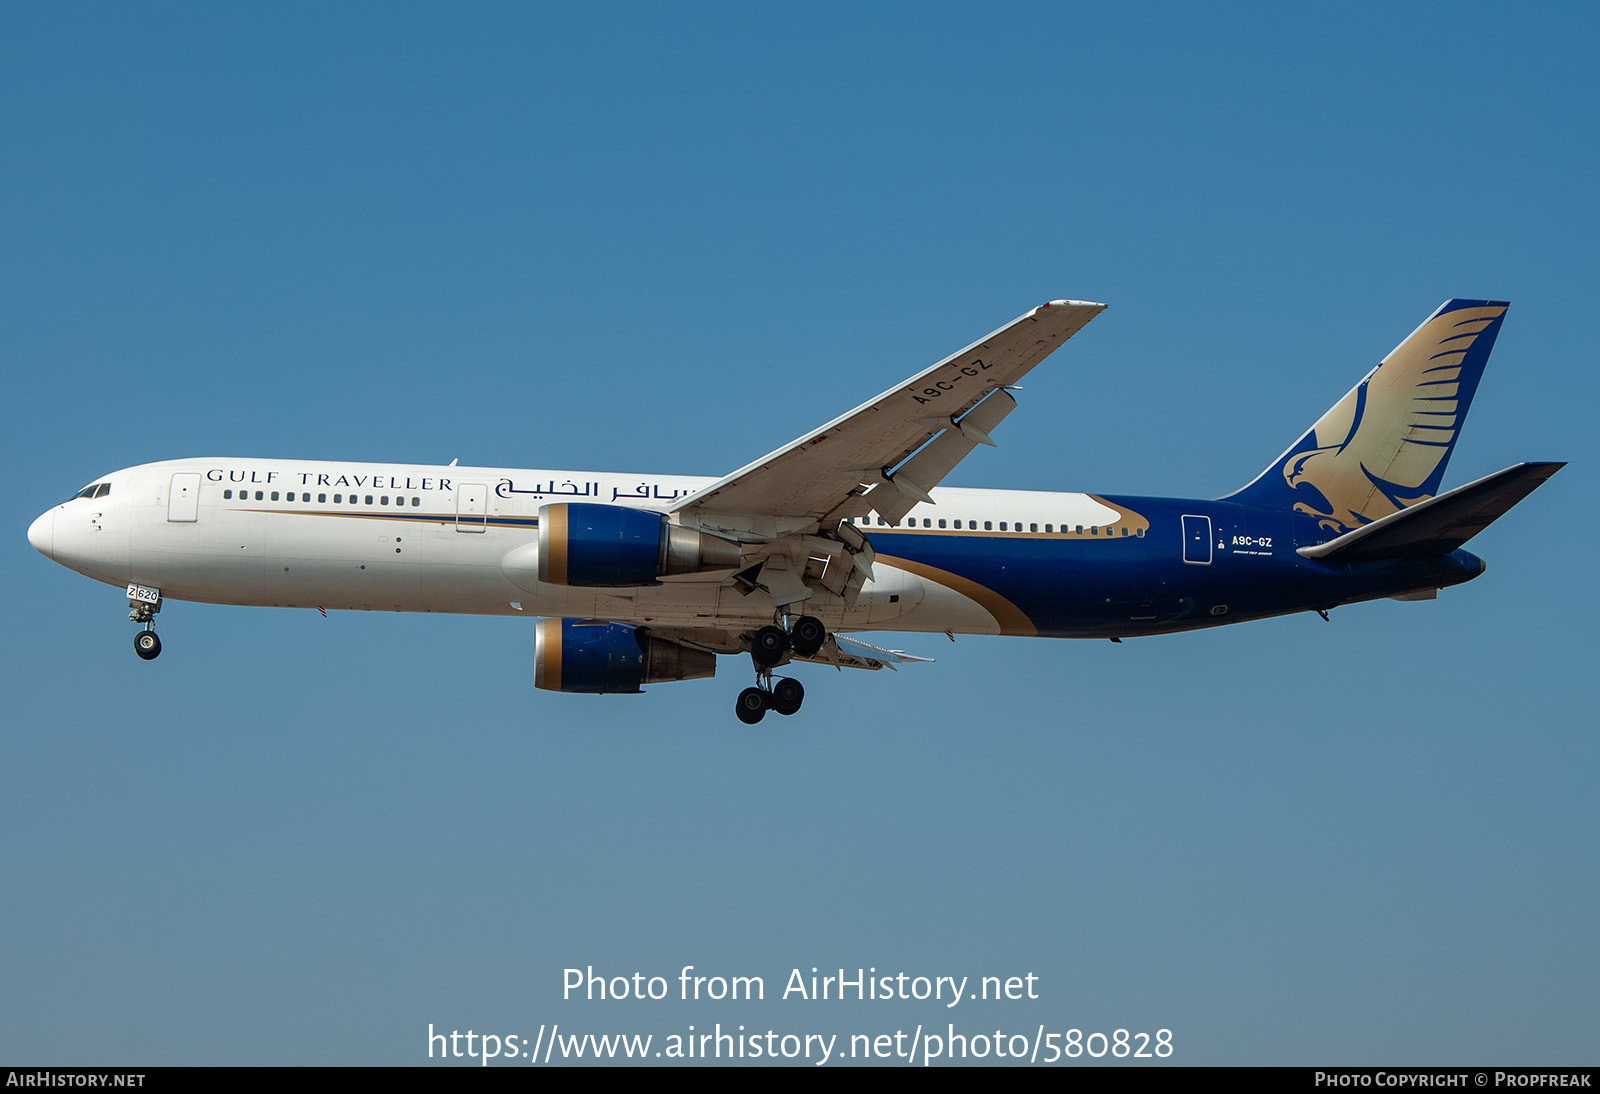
(548, 674)
(553, 545)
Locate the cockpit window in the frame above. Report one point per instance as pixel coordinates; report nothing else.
(95, 490)
(102, 490)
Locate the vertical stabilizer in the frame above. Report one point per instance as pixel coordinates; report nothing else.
(1384, 446)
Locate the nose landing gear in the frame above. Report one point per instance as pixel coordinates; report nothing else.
(144, 603)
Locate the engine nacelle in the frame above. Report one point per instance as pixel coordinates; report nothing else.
(610, 658)
(612, 546)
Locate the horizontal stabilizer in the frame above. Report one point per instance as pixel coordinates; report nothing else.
(1438, 525)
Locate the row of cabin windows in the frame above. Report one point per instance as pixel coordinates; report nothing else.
(927, 522)
(338, 499)
(1014, 526)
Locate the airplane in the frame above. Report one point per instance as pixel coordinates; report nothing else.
(640, 579)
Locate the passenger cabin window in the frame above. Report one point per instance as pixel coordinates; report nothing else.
(227, 495)
(988, 526)
(322, 497)
(259, 496)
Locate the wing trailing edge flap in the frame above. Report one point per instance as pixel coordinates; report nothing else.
(843, 652)
(909, 484)
(840, 651)
(794, 566)
(1441, 524)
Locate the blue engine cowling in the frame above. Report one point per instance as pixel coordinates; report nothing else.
(613, 546)
(610, 658)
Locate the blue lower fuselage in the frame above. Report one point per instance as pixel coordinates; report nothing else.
(1197, 564)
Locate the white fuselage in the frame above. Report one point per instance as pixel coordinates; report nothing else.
(391, 537)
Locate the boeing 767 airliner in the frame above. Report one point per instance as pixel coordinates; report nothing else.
(646, 578)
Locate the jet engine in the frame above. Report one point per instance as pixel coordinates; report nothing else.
(612, 546)
(610, 658)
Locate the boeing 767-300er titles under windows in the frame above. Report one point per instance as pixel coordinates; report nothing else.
(643, 579)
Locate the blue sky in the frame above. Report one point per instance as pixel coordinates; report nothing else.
(670, 239)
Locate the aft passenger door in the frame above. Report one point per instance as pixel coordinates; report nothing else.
(1197, 540)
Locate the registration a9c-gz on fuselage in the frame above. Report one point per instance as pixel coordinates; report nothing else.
(647, 578)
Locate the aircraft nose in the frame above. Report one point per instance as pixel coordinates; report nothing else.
(42, 534)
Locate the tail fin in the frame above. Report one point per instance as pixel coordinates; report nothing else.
(1384, 446)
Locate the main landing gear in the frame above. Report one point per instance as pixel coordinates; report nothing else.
(770, 647)
(772, 643)
(784, 696)
(144, 604)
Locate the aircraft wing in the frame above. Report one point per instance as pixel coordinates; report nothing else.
(953, 405)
